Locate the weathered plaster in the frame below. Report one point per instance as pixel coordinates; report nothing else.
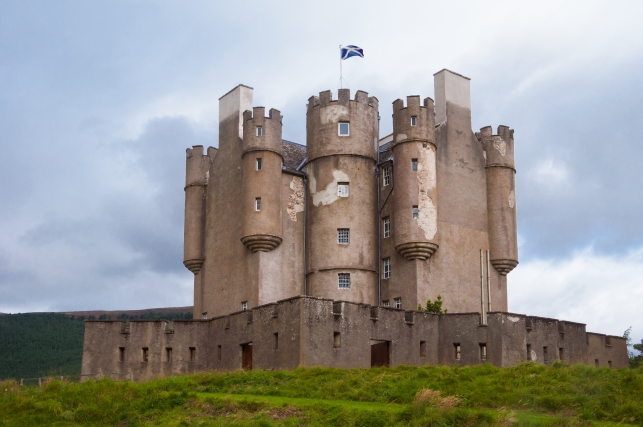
(500, 145)
(296, 198)
(329, 194)
(333, 113)
(512, 199)
(428, 213)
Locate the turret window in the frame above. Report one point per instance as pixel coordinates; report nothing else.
(398, 302)
(344, 280)
(259, 131)
(259, 163)
(414, 121)
(387, 268)
(387, 227)
(414, 165)
(343, 236)
(415, 212)
(386, 176)
(258, 204)
(244, 305)
(386, 303)
(343, 129)
(342, 189)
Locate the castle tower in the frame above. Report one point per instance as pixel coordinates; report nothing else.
(341, 197)
(501, 198)
(415, 199)
(261, 192)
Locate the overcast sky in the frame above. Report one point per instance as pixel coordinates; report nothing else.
(98, 101)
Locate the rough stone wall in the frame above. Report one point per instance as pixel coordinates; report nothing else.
(605, 349)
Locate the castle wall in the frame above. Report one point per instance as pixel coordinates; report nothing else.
(606, 350)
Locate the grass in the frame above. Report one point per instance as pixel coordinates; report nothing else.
(526, 395)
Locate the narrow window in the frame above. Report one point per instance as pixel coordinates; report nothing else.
(276, 338)
(343, 236)
(483, 351)
(192, 354)
(422, 348)
(545, 354)
(244, 305)
(342, 189)
(258, 204)
(343, 129)
(415, 212)
(528, 351)
(398, 302)
(121, 354)
(337, 340)
(259, 163)
(456, 349)
(561, 354)
(386, 176)
(608, 341)
(387, 268)
(609, 363)
(145, 352)
(168, 354)
(387, 227)
(204, 315)
(414, 164)
(386, 303)
(344, 280)
(414, 121)
(259, 131)
(596, 362)
(219, 352)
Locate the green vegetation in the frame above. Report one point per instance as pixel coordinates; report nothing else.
(635, 361)
(41, 344)
(528, 395)
(433, 307)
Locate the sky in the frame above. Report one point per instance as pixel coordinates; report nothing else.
(100, 99)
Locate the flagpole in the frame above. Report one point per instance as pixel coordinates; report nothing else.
(340, 66)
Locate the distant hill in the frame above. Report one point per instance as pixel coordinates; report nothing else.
(41, 344)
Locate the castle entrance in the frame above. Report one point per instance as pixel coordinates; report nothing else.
(379, 353)
(246, 356)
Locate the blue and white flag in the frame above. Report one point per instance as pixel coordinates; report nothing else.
(350, 50)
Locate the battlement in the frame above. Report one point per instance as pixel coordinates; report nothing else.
(258, 115)
(198, 165)
(412, 103)
(261, 133)
(499, 148)
(413, 122)
(325, 98)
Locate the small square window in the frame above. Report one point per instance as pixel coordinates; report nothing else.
(342, 189)
(259, 163)
(414, 164)
(259, 131)
(343, 129)
(387, 268)
(386, 303)
(387, 227)
(414, 121)
(145, 353)
(121, 354)
(337, 340)
(386, 176)
(244, 305)
(456, 349)
(344, 280)
(204, 315)
(258, 204)
(398, 302)
(192, 354)
(415, 212)
(343, 236)
(168, 354)
(483, 351)
(422, 348)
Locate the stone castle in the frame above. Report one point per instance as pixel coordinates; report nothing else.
(320, 254)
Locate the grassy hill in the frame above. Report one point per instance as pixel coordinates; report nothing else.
(526, 395)
(40, 344)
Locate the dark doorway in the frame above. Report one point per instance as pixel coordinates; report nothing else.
(246, 356)
(379, 354)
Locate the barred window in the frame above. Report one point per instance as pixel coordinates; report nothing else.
(342, 189)
(415, 212)
(387, 268)
(244, 305)
(259, 131)
(414, 164)
(258, 204)
(398, 302)
(386, 176)
(414, 121)
(387, 227)
(344, 280)
(343, 236)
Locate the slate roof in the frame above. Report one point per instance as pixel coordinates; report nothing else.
(293, 154)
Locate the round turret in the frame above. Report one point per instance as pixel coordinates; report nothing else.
(415, 199)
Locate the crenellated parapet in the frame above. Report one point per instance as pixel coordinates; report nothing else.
(413, 122)
(262, 133)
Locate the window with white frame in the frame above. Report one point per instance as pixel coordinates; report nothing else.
(344, 280)
(343, 129)
(386, 176)
(387, 268)
(386, 303)
(259, 163)
(398, 302)
(258, 204)
(343, 236)
(342, 189)
(414, 121)
(387, 227)
(414, 165)
(259, 131)
(415, 212)
(244, 305)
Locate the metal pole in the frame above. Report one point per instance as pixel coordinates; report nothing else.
(482, 314)
(340, 66)
(379, 220)
(488, 283)
(305, 214)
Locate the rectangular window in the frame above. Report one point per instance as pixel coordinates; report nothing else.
(244, 305)
(121, 354)
(259, 131)
(609, 363)
(342, 189)
(414, 164)
(258, 204)
(343, 129)
(204, 315)
(398, 302)
(192, 354)
(414, 121)
(387, 268)
(422, 348)
(168, 354)
(337, 340)
(529, 352)
(596, 362)
(259, 163)
(276, 338)
(415, 212)
(386, 303)
(386, 176)
(218, 352)
(343, 236)
(483, 351)
(456, 349)
(145, 353)
(387, 227)
(561, 354)
(344, 280)
(545, 354)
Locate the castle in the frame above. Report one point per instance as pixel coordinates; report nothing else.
(320, 254)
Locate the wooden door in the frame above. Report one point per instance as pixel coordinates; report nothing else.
(246, 356)
(379, 354)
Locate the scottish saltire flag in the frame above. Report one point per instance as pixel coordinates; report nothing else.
(350, 50)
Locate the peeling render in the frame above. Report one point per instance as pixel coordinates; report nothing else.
(400, 137)
(329, 194)
(500, 145)
(427, 212)
(296, 198)
(333, 113)
(512, 199)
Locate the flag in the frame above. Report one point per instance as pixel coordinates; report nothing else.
(350, 50)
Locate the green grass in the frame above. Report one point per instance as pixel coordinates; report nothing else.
(525, 395)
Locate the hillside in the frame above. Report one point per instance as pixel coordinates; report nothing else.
(524, 395)
(40, 344)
